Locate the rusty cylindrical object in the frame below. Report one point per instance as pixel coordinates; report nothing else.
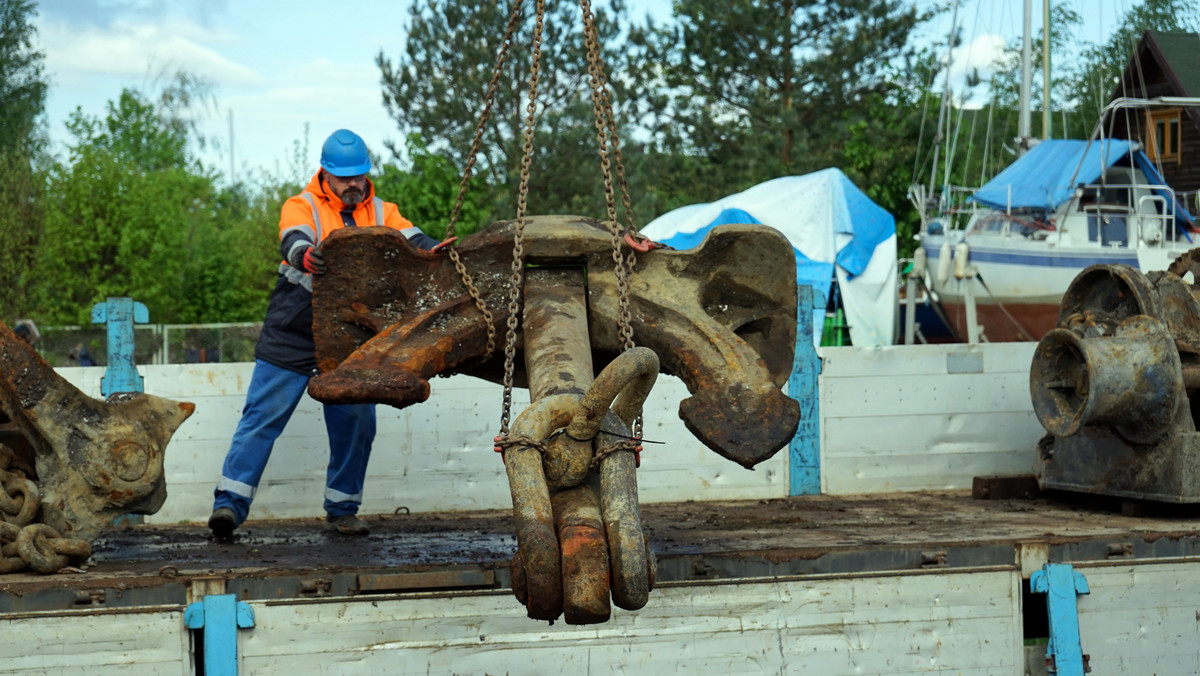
(584, 555)
(537, 540)
(1131, 380)
(558, 360)
(629, 553)
(627, 380)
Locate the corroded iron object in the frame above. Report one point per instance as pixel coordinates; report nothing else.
(1113, 386)
(90, 460)
(722, 317)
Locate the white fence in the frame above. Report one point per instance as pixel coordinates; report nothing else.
(891, 419)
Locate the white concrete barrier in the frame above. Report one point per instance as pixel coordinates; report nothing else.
(891, 419)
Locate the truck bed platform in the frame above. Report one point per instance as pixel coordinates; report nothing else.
(141, 565)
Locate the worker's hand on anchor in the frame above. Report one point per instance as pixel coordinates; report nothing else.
(314, 262)
(444, 244)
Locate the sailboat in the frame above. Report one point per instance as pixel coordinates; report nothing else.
(1000, 264)
(1063, 206)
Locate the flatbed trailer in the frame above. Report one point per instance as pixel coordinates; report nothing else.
(883, 583)
(907, 574)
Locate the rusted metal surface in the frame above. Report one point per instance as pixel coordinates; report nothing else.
(1113, 386)
(70, 464)
(721, 317)
(575, 452)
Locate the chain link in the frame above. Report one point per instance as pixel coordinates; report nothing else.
(610, 157)
(504, 444)
(516, 281)
(624, 446)
(19, 499)
(488, 100)
(24, 544)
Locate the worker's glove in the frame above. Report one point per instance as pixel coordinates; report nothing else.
(314, 262)
(444, 244)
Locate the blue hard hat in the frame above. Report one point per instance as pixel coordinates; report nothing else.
(345, 154)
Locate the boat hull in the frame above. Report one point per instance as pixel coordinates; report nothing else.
(1018, 287)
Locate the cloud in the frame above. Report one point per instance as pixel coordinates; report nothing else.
(134, 49)
(103, 14)
(983, 53)
(323, 94)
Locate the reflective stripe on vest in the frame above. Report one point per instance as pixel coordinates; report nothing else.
(316, 213)
(295, 276)
(303, 278)
(312, 202)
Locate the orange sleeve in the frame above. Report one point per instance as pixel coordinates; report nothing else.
(298, 212)
(392, 217)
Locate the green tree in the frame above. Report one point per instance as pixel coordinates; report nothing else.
(21, 206)
(22, 101)
(23, 83)
(427, 191)
(437, 87)
(767, 88)
(133, 213)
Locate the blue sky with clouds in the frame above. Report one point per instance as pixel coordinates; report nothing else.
(281, 66)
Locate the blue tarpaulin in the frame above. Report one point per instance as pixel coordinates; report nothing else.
(835, 231)
(1047, 175)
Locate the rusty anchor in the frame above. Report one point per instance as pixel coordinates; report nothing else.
(1113, 386)
(70, 464)
(721, 317)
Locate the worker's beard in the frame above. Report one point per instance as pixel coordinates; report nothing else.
(352, 196)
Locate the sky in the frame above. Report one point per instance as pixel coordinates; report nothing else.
(280, 69)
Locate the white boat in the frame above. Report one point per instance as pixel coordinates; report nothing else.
(1061, 207)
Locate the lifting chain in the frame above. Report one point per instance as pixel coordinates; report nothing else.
(23, 543)
(516, 283)
(610, 156)
(489, 98)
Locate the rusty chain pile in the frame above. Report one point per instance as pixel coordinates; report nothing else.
(23, 543)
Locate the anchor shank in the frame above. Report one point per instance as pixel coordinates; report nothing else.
(558, 354)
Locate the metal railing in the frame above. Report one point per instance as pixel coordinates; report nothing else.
(153, 344)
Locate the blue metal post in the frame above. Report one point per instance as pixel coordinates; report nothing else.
(805, 449)
(220, 615)
(120, 314)
(1061, 583)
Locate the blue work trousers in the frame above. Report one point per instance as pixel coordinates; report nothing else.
(270, 401)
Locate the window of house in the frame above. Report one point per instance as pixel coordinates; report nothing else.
(1164, 135)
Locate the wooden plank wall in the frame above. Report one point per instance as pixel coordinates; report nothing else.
(92, 642)
(1142, 618)
(946, 623)
(435, 456)
(924, 417)
(892, 419)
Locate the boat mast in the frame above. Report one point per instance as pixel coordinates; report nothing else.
(1023, 121)
(1046, 70)
(937, 137)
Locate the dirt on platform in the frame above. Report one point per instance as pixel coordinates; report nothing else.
(813, 523)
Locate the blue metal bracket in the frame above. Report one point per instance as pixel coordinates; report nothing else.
(805, 449)
(220, 615)
(1061, 584)
(120, 314)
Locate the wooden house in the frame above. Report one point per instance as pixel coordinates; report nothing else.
(1165, 65)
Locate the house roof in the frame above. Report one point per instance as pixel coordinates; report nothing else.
(1177, 54)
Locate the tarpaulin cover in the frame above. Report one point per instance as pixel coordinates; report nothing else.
(833, 228)
(1046, 176)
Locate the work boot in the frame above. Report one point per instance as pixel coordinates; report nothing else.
(222, 523)
(346, 524)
